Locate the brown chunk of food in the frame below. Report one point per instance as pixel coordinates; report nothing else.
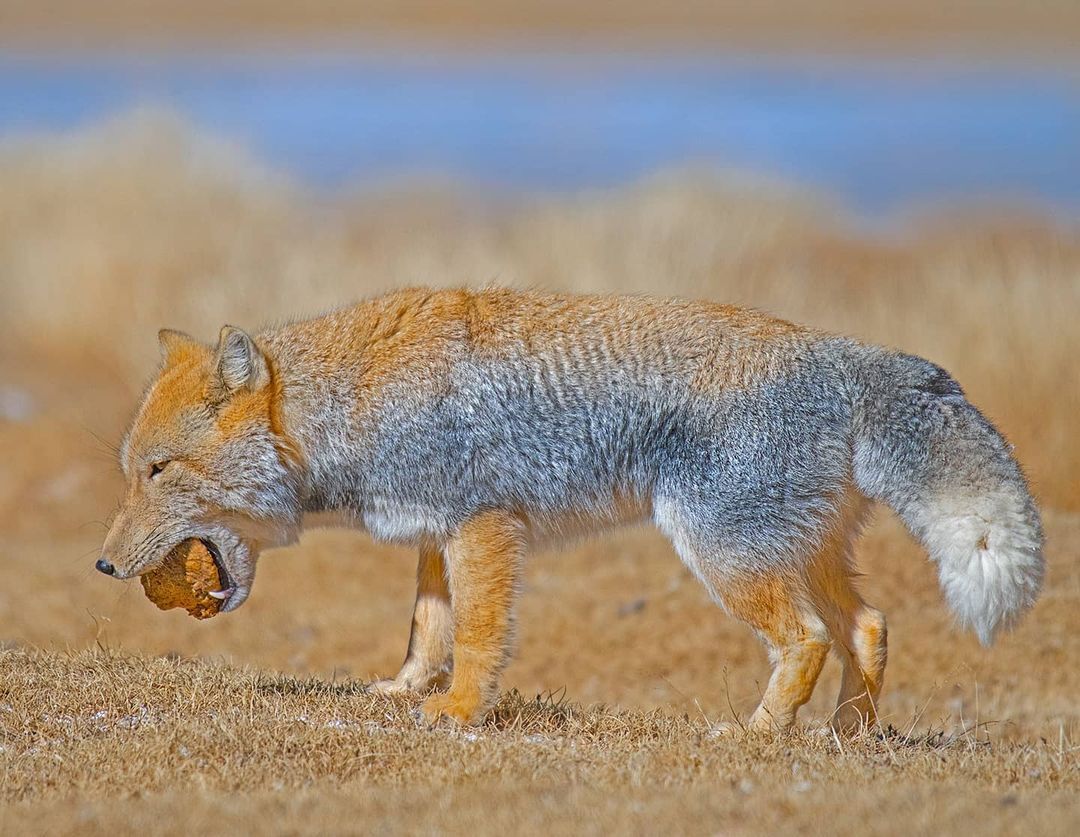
(185, 580)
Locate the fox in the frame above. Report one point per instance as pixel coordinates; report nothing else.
(478, 425)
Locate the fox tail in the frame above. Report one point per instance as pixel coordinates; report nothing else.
(924, 450)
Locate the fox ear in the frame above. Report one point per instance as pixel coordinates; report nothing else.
(174, 343)
(240, 363)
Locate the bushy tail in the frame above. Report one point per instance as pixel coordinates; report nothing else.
(924, 450)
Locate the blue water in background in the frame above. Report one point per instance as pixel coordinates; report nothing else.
(877, 134)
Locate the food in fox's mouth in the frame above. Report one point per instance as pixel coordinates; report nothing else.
(189, 578)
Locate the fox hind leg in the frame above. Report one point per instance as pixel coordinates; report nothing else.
(797, 639)
(858, 630)
(861, 644)
(773, 602)
(799, 607)
(429, 660)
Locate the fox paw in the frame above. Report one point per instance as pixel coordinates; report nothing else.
(726, 729)
(761, 723)
(390, 687)
(852, 723)
(402, 684)
(462, 711)
(411, 681)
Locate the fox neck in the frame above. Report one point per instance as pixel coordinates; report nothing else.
(321, 377)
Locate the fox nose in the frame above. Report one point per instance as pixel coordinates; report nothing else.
(103, 566)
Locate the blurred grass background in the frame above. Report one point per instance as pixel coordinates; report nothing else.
(113, 231)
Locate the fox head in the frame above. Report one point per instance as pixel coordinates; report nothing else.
(206, 458)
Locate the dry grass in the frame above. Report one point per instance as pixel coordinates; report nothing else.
(107, 235)
(134, 742)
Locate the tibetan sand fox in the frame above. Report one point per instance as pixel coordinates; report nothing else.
(478, 424)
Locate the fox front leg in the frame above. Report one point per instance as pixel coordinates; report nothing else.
(484, 563)
(429, 660)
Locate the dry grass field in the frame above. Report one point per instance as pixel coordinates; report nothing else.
(115, 717)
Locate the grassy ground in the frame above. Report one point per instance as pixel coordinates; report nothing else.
(257, 719)
(194, 745)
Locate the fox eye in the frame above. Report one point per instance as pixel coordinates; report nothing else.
(157, 468)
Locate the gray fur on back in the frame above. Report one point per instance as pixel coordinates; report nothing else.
(755, 469)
